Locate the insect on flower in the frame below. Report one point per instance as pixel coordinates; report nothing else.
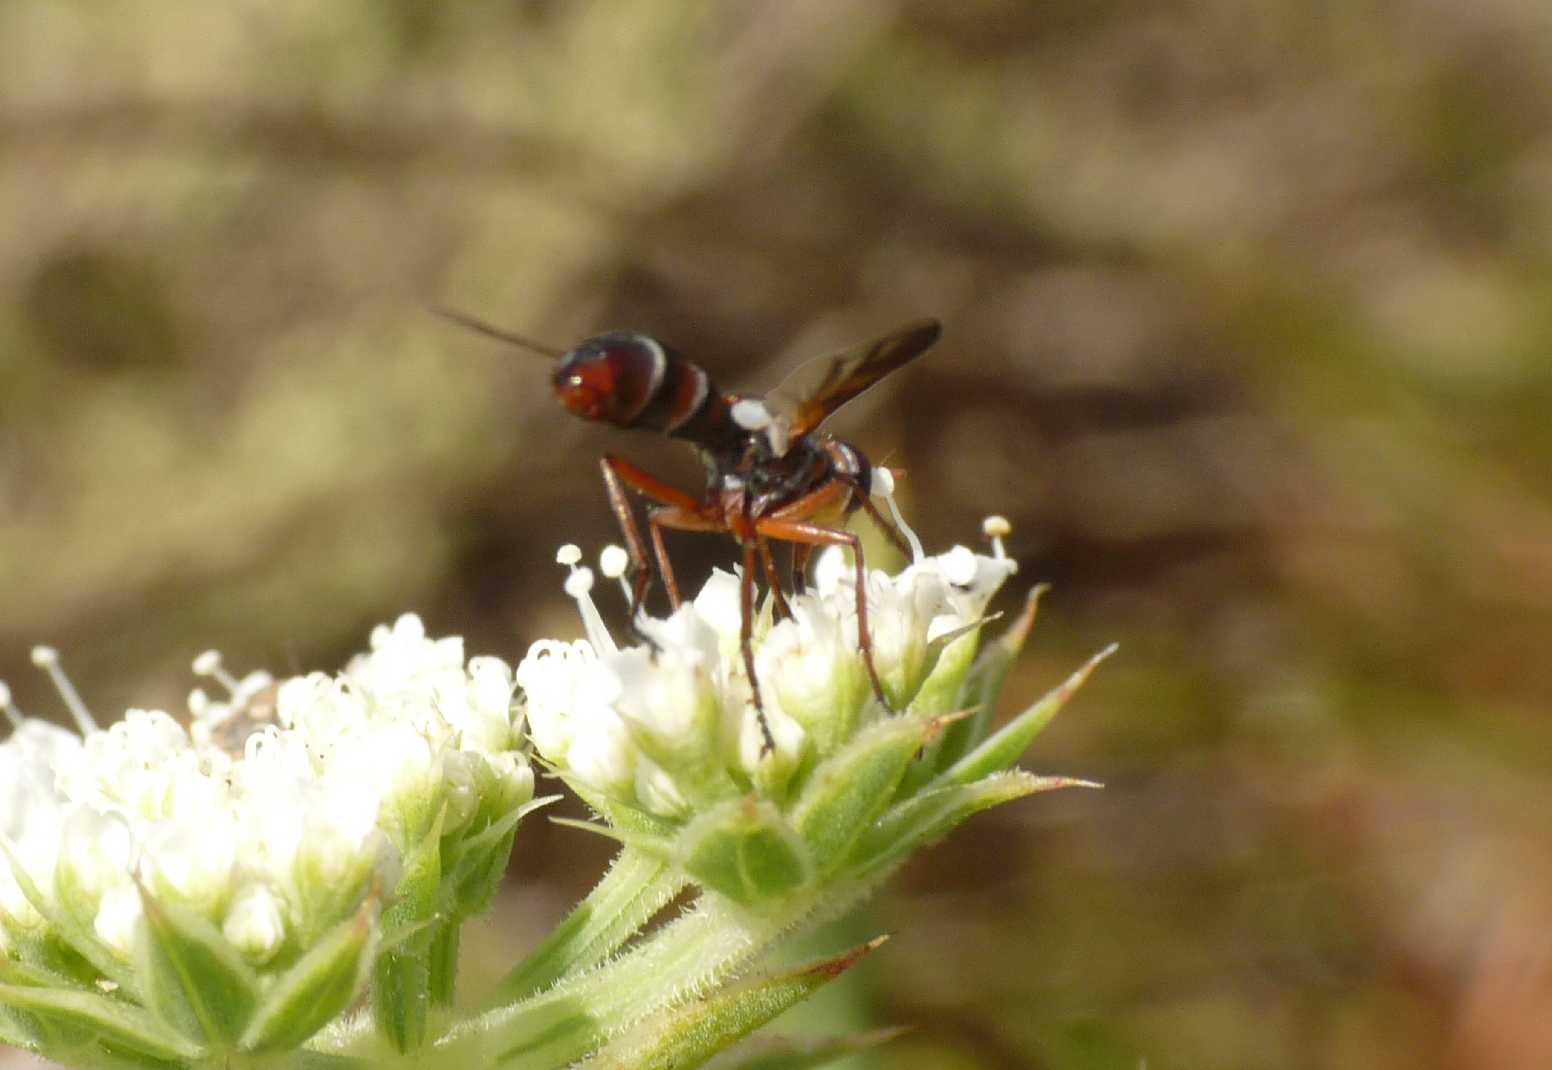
(772, 474)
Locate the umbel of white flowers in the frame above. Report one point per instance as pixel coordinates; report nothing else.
(221, 891)
(664, 741)
(217, 887)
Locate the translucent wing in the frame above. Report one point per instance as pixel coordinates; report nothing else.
(815, 389)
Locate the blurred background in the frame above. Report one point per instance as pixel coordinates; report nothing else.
(1248, 309)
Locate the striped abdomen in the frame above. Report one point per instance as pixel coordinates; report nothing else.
(633, 381)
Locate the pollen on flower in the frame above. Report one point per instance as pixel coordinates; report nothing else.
(996, 528)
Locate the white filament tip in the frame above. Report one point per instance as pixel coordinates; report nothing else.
(208, 663)
(568, 554)
(5, 695)
(45, 657)
(613, 561)
(883, 481)
(996, 527)
(580, 583)
(199, 702)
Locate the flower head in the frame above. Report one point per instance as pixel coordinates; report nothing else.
(276, 814)
(671, 729)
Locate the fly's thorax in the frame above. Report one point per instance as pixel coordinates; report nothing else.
(779, 481)
(849, 463)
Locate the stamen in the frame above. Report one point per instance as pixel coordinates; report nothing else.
(12, 714)
(613, 562)
(47, 659)
(579, 585)
(199, 702)
(997, 528)
(884, 487)
(209, 664)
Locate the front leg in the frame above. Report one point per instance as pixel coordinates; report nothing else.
(618, 474)
(669, 516)
(772, 580)
(801, 552)
(746, 640)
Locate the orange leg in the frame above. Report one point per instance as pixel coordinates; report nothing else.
(746, 639)
(682, 510)
(773, 580)
(791, 523)
(827, 494)
(803, 531)
(801, 551)
(669, 516)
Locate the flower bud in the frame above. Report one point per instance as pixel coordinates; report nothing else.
(255, 924)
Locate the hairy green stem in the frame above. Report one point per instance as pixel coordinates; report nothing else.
(636, 887)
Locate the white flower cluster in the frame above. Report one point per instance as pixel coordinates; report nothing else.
(273, 815)
(669, 729)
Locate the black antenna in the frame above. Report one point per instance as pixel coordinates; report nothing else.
(479, 326)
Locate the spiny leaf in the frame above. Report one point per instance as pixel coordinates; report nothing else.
(928, 817)
(468, 854)
(1005, 748)
(983, 683)
(321, 985)
(687, 1036)
(401, 985)
(853, 786)
(194, 979)
(636, 887)
(110, 1021)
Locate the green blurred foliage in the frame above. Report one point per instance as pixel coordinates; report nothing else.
(1247, 332)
